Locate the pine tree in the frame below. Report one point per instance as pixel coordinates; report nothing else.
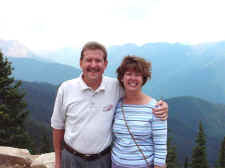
(171, 160)
(222, 154)
(186, 162)
(216, 165)
(12, 109)
(199, 157)
(45, 146)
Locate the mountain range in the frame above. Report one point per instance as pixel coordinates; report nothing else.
(177, 69)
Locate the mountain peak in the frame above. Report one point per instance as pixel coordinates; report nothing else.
(13, 48)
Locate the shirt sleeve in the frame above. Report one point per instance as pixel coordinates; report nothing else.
(159, 131)
(58, 116)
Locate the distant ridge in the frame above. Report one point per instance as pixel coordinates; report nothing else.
(33, 70)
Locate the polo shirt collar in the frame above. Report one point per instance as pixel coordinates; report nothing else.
(85, 87)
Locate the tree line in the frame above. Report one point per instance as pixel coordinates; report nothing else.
(13, 116)
(199, 156)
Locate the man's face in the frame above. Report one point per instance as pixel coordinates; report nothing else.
(93, 65)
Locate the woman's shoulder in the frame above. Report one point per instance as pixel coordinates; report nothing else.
(152, 102)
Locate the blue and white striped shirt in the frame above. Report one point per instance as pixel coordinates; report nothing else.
(149, 132)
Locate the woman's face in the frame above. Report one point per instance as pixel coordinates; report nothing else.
(132, 80)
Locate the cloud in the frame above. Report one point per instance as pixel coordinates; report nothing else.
(49, 24)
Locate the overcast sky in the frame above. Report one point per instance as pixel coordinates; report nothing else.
(51, 24)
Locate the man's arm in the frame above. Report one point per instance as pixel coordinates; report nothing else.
(58, 137)
(162, 110)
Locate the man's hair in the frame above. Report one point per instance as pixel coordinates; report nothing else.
(138, 64)
(93, 45)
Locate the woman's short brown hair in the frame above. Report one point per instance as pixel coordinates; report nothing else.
(93, 45)
(138, 64)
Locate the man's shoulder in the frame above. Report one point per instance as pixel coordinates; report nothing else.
(110, 79)
(68, 83)
(112, 84)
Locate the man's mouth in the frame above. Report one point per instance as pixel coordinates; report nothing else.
(93, 70)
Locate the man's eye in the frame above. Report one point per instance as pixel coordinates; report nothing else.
(98, 60)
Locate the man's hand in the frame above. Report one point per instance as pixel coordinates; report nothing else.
(162, 110)
(155, 166)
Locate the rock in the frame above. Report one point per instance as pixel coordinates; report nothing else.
(14, 157)
(44, 161)
(21, 158)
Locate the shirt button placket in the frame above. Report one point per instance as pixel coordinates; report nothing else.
(92, 100)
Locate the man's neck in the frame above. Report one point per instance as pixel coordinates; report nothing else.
(92, 84)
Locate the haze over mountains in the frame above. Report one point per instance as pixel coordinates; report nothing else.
(15, 49)
(177, 69)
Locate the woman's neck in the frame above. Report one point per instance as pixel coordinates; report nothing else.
(136, 98)
(133, 95)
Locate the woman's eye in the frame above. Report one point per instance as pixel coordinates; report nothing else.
(138, 74)
(127, 73)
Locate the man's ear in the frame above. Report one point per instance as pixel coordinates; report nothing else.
(80, 62)
(106, 63)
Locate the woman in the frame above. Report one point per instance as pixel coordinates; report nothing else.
(140, 139)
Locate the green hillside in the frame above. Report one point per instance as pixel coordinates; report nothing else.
(184, 116)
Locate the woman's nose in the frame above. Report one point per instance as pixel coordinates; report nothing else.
(132, 76)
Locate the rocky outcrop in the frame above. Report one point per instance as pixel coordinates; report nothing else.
(21, 158)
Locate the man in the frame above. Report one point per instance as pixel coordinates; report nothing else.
(83, 113)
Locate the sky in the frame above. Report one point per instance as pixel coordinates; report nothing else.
(53, 24)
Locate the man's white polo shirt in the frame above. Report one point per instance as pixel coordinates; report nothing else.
(85, 114)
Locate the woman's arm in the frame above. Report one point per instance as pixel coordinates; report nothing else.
(159, 132)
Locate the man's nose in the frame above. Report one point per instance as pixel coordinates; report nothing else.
(93, 63)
